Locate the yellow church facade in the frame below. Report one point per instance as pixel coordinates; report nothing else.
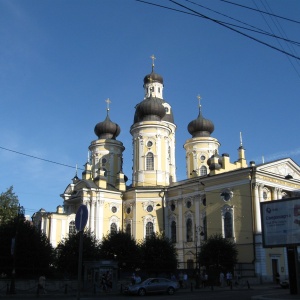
(217, 197)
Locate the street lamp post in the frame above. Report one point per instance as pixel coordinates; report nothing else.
(21, 213)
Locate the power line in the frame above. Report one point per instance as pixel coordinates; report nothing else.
(263, 12)
(235, 30)
(195, 13)
(43, 159)
(257, 30)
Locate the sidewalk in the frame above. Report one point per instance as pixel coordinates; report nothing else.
(268, 292)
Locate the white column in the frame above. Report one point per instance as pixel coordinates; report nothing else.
(141, 154)
(195, 165)
(257, 208)
(92, 218)
(52, 237)
(279, 195)
(88, 205)
(96, 230)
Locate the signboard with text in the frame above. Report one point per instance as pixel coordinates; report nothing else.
(280, 222)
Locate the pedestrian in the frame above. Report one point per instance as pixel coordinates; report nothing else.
(204, 279)
(185, 280)
(108, 281)
(229, 278)
(180, 279)
(104, 283)
(222, 276)
(138, 279)
(41, 284)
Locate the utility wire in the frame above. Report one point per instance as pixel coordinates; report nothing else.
(279, 43)
(218, 22)
(43, 159)
(237, 31)
(257, 30)
(263, 12)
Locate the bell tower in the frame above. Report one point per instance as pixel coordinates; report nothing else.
(153, 133)
(201, 146)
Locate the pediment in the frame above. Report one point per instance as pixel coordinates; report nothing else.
(81, 184)
(282, 168)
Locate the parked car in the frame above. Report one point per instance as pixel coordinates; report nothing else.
(153, 285)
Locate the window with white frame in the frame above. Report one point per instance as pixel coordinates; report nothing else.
(128, 228)
(189, 230)
(150, 161)
(173, 232)
(149, 229)
(113, 228)
(203, 171)
(227, 216)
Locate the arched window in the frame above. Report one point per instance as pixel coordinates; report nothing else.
(150, 161)
(228, 228)
(189, 230)
(128, 228)
(72, 228)
(173, 232)
(149, 229)
(113, 228)
(203, 171)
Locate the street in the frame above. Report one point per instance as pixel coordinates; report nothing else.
(269, 291)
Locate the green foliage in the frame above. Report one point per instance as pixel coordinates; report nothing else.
(67, 252)
(122, 247)
(158, 255)
(33, 252)
(8, 205)
(218, 252)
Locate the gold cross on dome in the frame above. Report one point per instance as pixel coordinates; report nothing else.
(108, 102)
(199, 100)
(153, 58)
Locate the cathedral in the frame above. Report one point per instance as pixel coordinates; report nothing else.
(217, 197)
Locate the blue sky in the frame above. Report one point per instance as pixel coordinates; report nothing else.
(61, 59)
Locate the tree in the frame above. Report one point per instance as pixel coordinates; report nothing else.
(67, 252)
(8, 205)
(218, 253)
(122, 247)
(31, 253)
(158, 255)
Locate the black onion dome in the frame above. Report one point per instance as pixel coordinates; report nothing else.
(151, 109)
(107, 129)
(212, 165)
(153, 77)
(209, 161)
(201, 127)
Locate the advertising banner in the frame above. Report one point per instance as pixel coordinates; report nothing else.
(280, 222)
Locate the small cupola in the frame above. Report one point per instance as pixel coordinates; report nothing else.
(201, 127)
(107, 129)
